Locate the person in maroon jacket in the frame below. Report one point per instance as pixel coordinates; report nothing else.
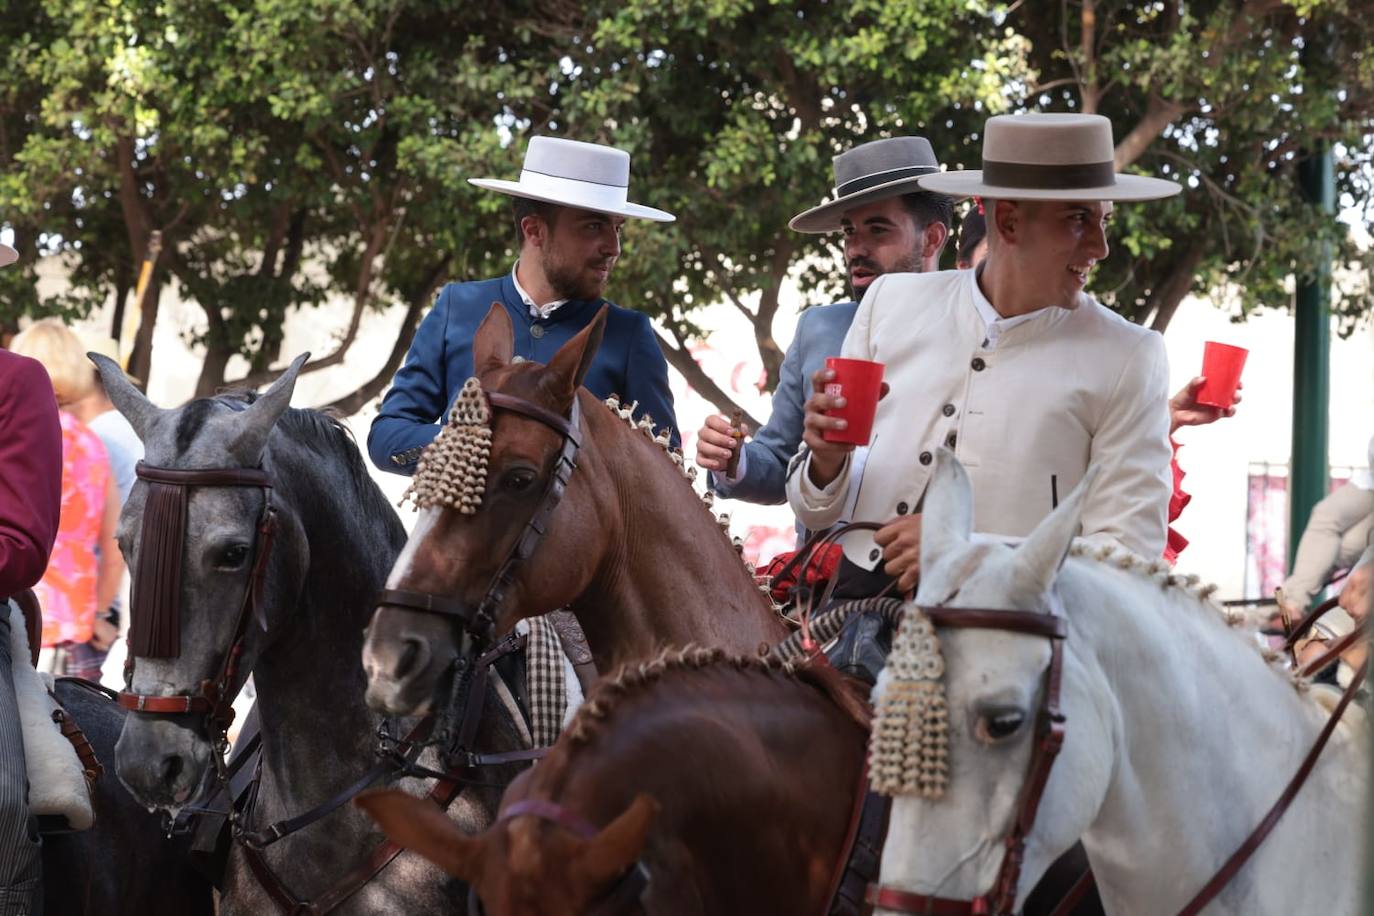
(30, 499)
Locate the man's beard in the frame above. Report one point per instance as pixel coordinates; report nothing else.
(910, 264)
(570, 281)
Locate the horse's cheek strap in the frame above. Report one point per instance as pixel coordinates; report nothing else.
(155, 618)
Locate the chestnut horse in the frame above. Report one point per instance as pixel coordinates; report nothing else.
(725, 781)
(630, 547)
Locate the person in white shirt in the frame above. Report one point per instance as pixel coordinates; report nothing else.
(1029, 380)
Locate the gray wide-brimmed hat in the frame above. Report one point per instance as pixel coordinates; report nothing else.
(1049, 157)
(870, 172)
(587, 176)
(7, 255)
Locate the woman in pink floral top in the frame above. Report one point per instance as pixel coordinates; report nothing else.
(84, 570)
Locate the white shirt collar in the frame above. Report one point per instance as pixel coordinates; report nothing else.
(536, 310)
(996, 325)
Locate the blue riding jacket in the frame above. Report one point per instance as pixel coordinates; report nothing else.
(628, 363)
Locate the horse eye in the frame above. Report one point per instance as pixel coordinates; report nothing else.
(998, 725)
(518, 480)
(232, 557)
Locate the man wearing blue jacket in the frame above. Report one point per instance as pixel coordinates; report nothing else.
(570, 204)
(890, 225)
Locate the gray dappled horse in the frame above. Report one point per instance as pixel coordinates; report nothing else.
(335, 542)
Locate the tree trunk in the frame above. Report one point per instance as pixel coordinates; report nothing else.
(355, 400)
(216, 359)
(1166, 298)
(141, 359)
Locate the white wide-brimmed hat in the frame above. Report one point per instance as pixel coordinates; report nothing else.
(1049, 157)
(7, 255)
(570, 173)
(870, 172)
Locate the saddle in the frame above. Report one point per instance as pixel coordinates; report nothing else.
(61, 764)
(33, 621)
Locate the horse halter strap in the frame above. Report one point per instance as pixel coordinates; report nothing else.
(1001, 900)
(155, 613)
(482, 622)
(623, 895)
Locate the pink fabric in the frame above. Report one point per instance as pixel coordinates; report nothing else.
(67, 591)
(1177, 503)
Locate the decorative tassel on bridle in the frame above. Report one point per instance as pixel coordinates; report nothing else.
(452, 470)
(155, 611)
(908, 750)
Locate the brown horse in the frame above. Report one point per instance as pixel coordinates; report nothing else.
(726, 781)
(630, 548)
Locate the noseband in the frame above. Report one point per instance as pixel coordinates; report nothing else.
(620, 898)
(155, 604)
(1049, 729)
(481, 624)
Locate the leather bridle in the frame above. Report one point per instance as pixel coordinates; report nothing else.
(479, 625)
(1049, 738)
(622, 896)
(157, 581)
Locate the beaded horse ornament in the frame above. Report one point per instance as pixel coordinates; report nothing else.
(908, 750)
(452, 470)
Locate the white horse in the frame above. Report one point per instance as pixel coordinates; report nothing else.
(1180, 734)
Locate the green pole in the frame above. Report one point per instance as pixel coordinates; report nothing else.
(1307, 471)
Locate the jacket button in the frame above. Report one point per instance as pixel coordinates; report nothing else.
(951, 440)
(947, 410)
(537, 331)
(902, 508)
(874, 554)
(926, 458)
(978, 364)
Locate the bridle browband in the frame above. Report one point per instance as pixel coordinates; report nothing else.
(155, 604)
(1049, 727)
(620, 898)
(481, 623)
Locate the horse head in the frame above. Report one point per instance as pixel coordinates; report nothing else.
(194, 569)
(946, 835)
(482, 544)
(525, 865)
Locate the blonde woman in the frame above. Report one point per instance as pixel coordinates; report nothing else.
(84, 571)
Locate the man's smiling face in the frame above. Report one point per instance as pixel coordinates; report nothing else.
(880, 238)
(1061, 244)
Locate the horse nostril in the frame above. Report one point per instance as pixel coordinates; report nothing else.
(172, 766)
(410, 659)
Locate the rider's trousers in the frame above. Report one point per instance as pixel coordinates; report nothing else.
(20, 867)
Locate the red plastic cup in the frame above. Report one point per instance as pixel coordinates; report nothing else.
(859, 382)
(1221, 364)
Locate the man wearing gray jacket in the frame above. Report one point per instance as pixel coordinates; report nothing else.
(890, 225)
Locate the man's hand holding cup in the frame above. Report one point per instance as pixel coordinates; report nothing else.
(839, 413)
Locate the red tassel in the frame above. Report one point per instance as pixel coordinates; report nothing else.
(155, 612)
(979, 202)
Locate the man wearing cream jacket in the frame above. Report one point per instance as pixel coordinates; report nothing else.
(1012, 366)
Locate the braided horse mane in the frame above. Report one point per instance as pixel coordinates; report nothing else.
(632, 678)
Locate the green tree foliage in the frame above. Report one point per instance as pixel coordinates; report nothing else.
(291, 150)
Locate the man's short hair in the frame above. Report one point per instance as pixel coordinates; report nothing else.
(927, 207)
(524, 206)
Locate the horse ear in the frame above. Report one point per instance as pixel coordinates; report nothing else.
(947, 515)
(417, 824)
(1040, 555)
(569, 365)
(128, 400)
(262, 414)
(608, 854)
(493, 346)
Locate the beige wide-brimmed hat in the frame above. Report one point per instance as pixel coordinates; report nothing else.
(7, 255)
(1049, 157)
(570, 173)
(867, 173)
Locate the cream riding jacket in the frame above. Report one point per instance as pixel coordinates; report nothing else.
(1027, 411)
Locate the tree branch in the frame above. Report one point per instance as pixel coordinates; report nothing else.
(1159, 115)
(1166, 297)
(681, 360)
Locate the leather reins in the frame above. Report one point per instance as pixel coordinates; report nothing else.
(620, 898)
(1050, 723)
